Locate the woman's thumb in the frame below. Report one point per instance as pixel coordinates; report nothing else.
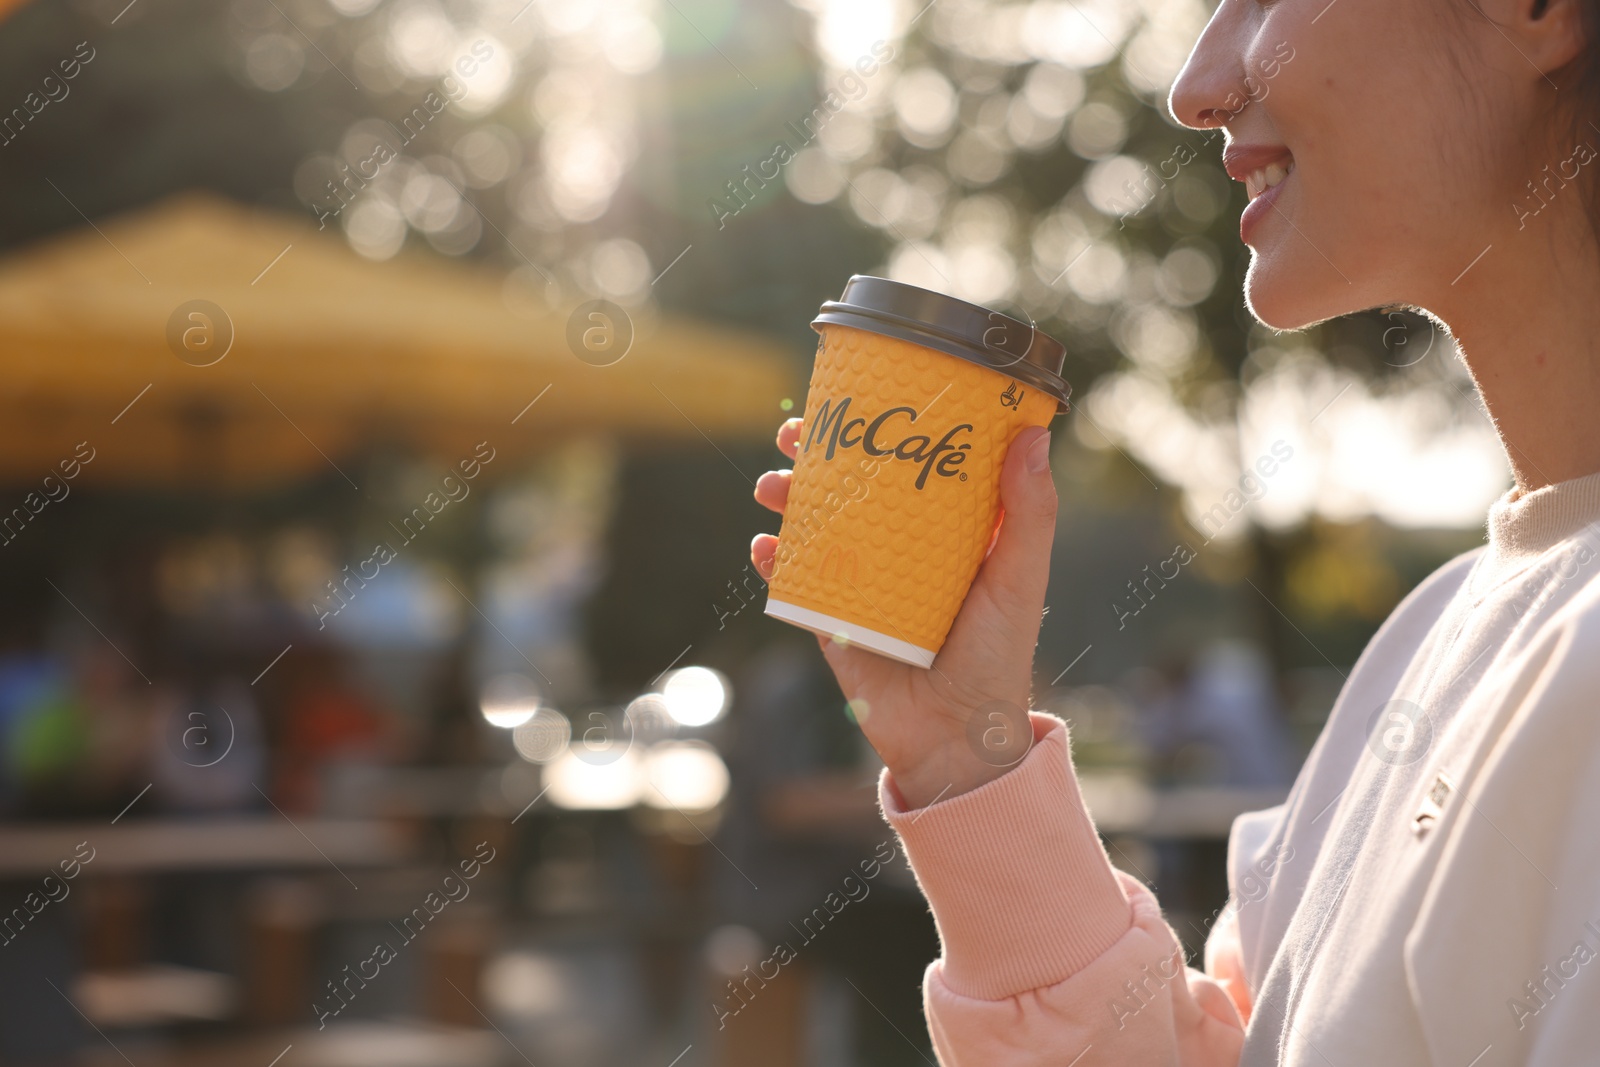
(1018, 566)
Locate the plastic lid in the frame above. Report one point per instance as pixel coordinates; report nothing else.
(937, 321)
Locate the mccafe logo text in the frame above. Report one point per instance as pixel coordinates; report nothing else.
(889, 434)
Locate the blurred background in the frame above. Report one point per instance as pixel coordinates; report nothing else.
(382, 678)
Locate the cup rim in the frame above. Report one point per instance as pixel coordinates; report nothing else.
(951, 325)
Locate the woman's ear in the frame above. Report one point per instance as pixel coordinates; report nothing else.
(1549, 33)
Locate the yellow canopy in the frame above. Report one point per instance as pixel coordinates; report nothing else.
(330, 353)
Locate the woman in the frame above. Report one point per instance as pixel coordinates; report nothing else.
(1430, 891)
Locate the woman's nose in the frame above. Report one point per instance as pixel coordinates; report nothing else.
(1209, 90)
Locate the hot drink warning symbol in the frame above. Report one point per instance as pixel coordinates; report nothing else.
(1012, 396)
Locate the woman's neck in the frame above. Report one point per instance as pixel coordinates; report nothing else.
(1526, 318)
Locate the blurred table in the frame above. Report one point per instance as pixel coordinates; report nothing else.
(202, 844)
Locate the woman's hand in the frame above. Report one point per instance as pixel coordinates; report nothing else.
(949, 729)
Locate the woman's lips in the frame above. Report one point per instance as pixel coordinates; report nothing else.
(1263, 186)
(1263, 168)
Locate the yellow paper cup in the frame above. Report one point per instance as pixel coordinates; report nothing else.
(914, 399)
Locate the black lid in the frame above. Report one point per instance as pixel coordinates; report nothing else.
(956, 327)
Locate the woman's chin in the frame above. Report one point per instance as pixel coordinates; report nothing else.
(1276, 298)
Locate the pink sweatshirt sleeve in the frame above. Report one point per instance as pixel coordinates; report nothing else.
(1050, 955)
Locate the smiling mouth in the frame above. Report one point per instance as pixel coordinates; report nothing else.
(1261, 179)
(1262, 167)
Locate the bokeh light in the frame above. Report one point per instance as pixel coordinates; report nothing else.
(695, 696)
(649, 719)
(543, 737)
(687, 776)
(524, 984)
(847, 29)
(486, 70)
(581, 785)
(509, 700)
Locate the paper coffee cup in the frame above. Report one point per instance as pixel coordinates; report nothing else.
(914, 399)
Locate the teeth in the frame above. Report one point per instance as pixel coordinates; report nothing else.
(1260, 180)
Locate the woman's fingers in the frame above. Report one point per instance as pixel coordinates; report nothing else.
(1018, 567)
(772, 490)
(789, 437)
(763, 550)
